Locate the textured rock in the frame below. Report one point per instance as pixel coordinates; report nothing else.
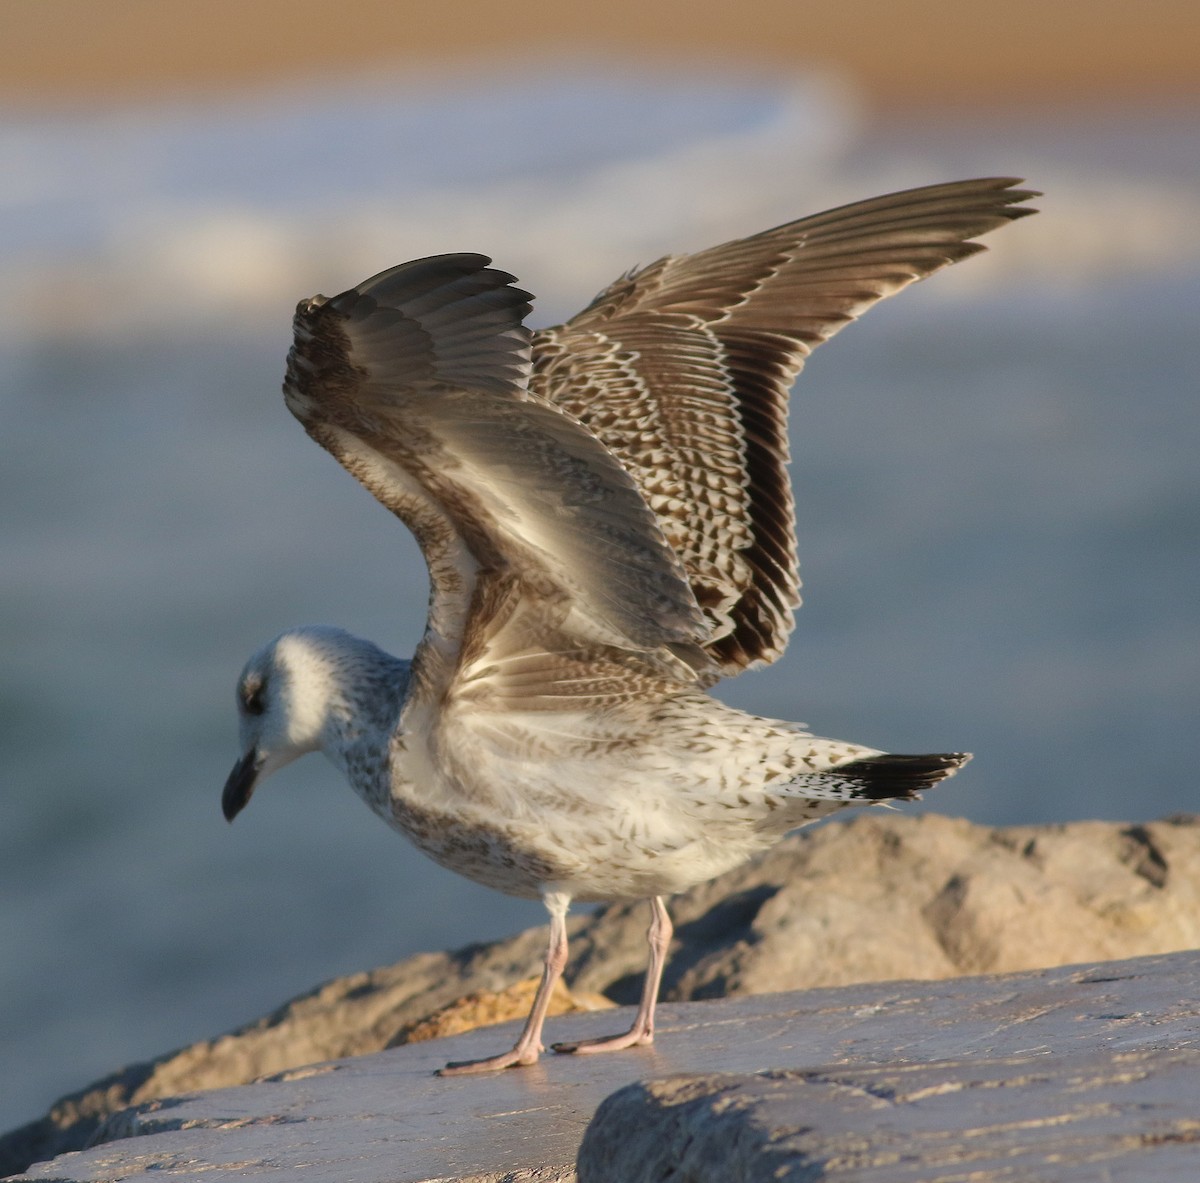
(942, 1075)
(1100, 1115)
(934, 897)
(488, 1007)
(883, 896)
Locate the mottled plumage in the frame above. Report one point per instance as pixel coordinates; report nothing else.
(606, 517)
(683, 369)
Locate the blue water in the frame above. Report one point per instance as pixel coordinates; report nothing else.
(996, 480)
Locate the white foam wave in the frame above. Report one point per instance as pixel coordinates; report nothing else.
(146, 222)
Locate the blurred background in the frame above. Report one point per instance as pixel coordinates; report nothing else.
(996, 473)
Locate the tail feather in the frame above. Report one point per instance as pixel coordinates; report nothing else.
(897, 778)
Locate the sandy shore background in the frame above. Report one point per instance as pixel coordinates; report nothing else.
(960, 52)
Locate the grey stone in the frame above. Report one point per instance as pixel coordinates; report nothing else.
(927, 1065)
(1101, 1115)
(882, 896)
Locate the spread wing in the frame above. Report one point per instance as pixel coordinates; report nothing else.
(541, 550)
(683, 370)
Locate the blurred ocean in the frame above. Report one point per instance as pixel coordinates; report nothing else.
(996, 478)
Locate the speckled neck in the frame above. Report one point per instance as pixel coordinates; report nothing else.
(364, 690)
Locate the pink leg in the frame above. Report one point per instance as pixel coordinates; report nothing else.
(529, 1046)
(642, 1031)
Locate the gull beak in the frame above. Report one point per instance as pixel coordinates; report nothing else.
(240, 784)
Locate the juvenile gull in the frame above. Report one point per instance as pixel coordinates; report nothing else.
(606, 516)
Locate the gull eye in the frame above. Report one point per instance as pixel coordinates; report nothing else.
(253, 698)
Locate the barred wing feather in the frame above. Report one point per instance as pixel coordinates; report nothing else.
(683, 370)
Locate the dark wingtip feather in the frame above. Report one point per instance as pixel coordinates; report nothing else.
(445, 320)
(899, 778)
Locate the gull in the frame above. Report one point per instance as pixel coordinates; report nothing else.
(605, 514)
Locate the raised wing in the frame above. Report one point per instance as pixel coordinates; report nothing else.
(534, 534)
(683, 370)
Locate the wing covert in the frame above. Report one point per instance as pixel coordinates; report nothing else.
(415, 380)
(683, 370)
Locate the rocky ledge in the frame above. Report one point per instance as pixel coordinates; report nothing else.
(1063, 1076)
(879, 897)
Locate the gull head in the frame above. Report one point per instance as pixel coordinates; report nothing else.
(296, 695)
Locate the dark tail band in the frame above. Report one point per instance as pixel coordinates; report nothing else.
(898, 778)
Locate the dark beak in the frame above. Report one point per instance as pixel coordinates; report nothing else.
(240, 784)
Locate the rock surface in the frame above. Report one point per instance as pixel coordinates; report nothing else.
(1096, 1115)
(1072, 1075)
(882, 896)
